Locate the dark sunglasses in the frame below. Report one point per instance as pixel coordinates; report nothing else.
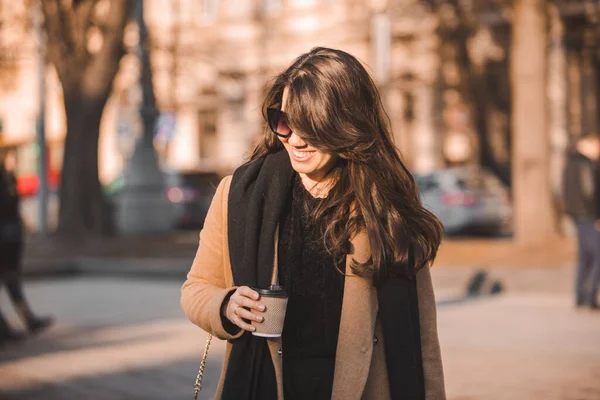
(277, 121)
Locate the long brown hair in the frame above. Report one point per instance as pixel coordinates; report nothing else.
(334, 105)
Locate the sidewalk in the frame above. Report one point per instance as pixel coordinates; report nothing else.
(163, 255)
(170, 256)
(492, 253)
(128, 339)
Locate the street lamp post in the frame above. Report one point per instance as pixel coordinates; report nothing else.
(41, 126)
(143, 207)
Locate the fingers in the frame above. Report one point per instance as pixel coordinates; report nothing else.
(240, 305)
(247, 297)
(237, 320)
(245, 314)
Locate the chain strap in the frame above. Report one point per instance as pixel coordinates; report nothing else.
(198, 384)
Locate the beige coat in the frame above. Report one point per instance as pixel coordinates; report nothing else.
(360, 367)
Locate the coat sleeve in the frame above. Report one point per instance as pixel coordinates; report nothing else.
(430, 346)
(205, 288)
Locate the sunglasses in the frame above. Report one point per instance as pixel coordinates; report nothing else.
(277, 121)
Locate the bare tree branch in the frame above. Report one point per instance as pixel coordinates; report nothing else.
(76, 20)
(112, 47)
(83, 11)
(66, 25)
(58, 51)
(119, 14)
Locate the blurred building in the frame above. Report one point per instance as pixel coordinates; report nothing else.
(214, 57)
(443, 72)
(211, 60)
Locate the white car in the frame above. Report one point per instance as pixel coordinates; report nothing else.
(467, 200)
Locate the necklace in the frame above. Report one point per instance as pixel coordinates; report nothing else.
(319, 190)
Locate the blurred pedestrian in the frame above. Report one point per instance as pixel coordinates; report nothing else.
(582, 201)
(11, 251)
(325, 210)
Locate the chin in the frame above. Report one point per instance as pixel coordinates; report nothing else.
(302, 169)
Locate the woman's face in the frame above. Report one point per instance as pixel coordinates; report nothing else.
(306, 160)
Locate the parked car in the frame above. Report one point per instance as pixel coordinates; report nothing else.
(467, 200)
(189, 192)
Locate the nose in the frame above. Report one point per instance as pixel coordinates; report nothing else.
(296, 141)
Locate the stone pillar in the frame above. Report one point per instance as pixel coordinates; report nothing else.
(234, 140)
(255, 126)
(589, 84)
(395, 102)
(573, 94)
(533, 209)
(184, 149)
(557, 104)
(238, 58)
(381, 47)
(425, 61)
(425, 140)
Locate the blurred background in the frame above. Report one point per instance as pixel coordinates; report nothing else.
(123, 116)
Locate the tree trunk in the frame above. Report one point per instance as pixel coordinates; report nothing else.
(481, 107)
(476, 90)
(83, 208)
(533, 211)
(86, 77)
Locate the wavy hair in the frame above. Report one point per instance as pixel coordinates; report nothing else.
(334, 105)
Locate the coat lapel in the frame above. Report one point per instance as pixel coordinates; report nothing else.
(357, 326)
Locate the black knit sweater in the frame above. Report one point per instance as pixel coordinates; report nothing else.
(315, 287)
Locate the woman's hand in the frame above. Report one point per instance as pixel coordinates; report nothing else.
(240, 306)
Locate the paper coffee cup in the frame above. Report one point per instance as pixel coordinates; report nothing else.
(275, 302)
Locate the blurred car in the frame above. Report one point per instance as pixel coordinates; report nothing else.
(189, 192)
(467, 200)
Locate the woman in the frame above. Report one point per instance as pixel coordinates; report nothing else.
(11, 249)
(326, 198)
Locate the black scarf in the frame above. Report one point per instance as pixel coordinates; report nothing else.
(260, 189)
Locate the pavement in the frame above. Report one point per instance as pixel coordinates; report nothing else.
(170, 255)
(546, 267)
(120, 333)
(126, 338)
(167, 255)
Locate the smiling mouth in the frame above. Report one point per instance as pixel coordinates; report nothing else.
(301, 155)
